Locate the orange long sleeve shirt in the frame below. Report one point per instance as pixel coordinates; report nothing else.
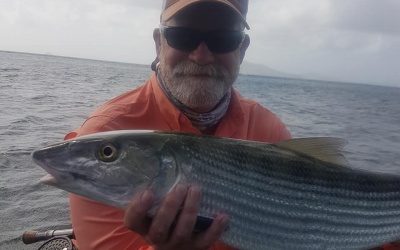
(98, 226)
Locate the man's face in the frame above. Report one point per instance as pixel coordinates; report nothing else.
(200, 78)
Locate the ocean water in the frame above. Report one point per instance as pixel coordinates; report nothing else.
(44, 97)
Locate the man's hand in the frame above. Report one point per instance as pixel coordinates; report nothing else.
(173, 224)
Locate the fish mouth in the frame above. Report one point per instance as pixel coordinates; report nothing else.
(49, 180)
(56, 179)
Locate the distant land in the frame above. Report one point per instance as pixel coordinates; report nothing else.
(248, 68)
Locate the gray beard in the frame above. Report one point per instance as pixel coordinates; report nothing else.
(199, 88)
(202, 120)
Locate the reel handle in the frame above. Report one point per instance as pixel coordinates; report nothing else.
(30, 236)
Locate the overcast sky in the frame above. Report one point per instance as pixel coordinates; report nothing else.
(346, 40)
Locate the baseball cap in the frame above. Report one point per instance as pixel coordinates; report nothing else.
(171, 7)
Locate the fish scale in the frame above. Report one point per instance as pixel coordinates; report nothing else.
(204, 173)
(297, 194)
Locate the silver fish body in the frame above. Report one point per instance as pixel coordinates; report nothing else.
(296, 194)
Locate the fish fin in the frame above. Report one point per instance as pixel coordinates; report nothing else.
(326, 149)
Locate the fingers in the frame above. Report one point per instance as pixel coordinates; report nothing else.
(136, 214)
(173, 224)
(187, 218)
(165, 216)
(208, 238)
(182, 236)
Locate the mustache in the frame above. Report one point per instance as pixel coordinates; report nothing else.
(189, 68)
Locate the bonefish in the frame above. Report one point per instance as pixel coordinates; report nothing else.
(294, 194)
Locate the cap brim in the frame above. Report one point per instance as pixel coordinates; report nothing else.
(180, 5)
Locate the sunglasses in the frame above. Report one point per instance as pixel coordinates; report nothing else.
(219, 41)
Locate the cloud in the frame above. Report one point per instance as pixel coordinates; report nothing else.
(98, 29)
(348, 40)
(344, 40)
(378, 17)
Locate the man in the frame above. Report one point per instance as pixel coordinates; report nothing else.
(200, 45)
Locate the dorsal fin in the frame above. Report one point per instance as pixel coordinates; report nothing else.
(326, 149)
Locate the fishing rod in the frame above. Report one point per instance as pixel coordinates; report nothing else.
(30, 236)
(55, 239)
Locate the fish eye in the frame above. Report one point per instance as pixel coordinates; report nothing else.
(108, 152)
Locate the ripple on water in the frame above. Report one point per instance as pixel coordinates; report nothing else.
(10, 69)
(4, 161)
(46, 98)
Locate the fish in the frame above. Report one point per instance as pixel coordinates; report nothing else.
(295, 194)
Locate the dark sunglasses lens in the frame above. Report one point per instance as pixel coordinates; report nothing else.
(217, 41)
(182, 39)
(224, 41)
